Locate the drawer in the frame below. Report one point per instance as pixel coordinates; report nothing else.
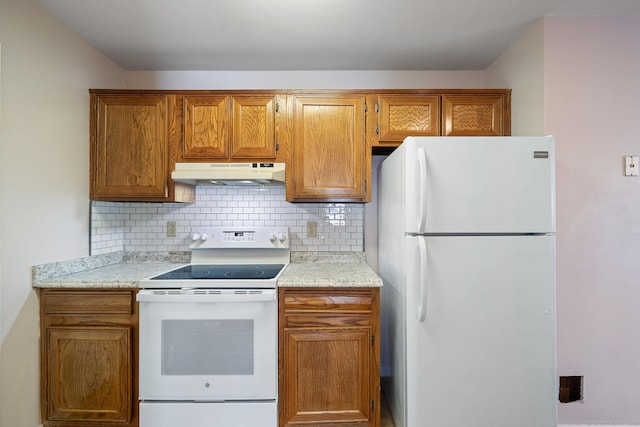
(328, 300)
(95, 301)
(311, 320)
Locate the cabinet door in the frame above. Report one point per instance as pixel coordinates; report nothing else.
(329, 370)
(129, 148)
(328, 149)
(90, 374)
(206, 127)
(328, 377)
(473, 115)
(253, 127)
(400, 116)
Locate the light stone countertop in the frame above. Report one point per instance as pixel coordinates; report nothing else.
(126, 274)
(125, 270)
(329, 274)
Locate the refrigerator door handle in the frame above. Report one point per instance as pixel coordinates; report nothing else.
(422, 190)
(423, 285)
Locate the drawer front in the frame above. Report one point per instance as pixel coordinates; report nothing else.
(304, 320)
(102, 301)
(331, 300)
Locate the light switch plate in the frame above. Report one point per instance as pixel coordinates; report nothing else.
(631, 166)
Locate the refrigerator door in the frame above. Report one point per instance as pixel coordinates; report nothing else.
(484, 353)
(477, 185)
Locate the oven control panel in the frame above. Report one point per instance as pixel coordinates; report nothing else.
(240, 237)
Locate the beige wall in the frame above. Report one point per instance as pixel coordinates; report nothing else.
(521, 68)
(591, 94)
(46, 74)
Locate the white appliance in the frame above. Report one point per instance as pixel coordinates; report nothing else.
(243, 174)
(208, 332)
(467, 256)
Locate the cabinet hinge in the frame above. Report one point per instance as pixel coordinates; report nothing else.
(277, 146)
(373, 406)
(377, 130)
(365, 107)
(373, 340)
(365, 185)
(277, 107)
(377, 108)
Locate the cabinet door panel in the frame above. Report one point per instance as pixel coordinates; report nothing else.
(328, 373)
(130, 152)
(253, 132)
(403, 116)
(473, 115)
(90, 374)
(328, 148)
(206, 125)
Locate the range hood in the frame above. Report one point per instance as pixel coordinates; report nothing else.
(244, 174)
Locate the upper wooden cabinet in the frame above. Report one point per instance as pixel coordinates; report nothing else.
(329, 155)
(476, 115)
(220, 127)
(428, 112)
(325, 137)
(206, 127)
(407, 115)
(129, 149)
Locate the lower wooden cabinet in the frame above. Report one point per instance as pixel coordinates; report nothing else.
(329, 357)
(89, 358)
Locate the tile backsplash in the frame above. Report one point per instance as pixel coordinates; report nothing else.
(133, 226)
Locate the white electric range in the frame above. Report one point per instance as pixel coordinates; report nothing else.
(208, 332)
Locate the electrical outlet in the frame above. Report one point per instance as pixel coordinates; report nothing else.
(631, 167)
(171, 229)
(312, 229)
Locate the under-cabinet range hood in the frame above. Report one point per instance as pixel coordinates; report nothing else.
(245, 174)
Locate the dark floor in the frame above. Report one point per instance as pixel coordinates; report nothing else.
(385, 416)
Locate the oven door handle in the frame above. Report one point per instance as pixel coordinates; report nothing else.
(197, 295)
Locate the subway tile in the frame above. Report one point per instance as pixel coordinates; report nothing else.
(142, 226)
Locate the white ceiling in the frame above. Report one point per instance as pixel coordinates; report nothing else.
(312, 34)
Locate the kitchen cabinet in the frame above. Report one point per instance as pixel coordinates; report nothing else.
(129, 151)
(405, 115)
(230, 127)
(329, 357)
(476, 114)
(428, 112)
(329, 160)
(89, 357)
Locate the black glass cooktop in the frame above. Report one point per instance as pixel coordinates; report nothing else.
(222, 271)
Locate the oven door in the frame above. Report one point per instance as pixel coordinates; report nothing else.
(207, 344)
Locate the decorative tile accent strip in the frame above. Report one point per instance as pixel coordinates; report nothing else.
(141, 227)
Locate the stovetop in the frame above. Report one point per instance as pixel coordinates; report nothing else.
(222, 271)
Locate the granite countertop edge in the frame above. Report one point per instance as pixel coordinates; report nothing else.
(127, 269)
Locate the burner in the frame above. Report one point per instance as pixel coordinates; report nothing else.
(249, 273)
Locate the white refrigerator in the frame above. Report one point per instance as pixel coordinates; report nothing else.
(467, 255)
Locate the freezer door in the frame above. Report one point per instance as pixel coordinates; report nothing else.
(480, 331)
(479, 185)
